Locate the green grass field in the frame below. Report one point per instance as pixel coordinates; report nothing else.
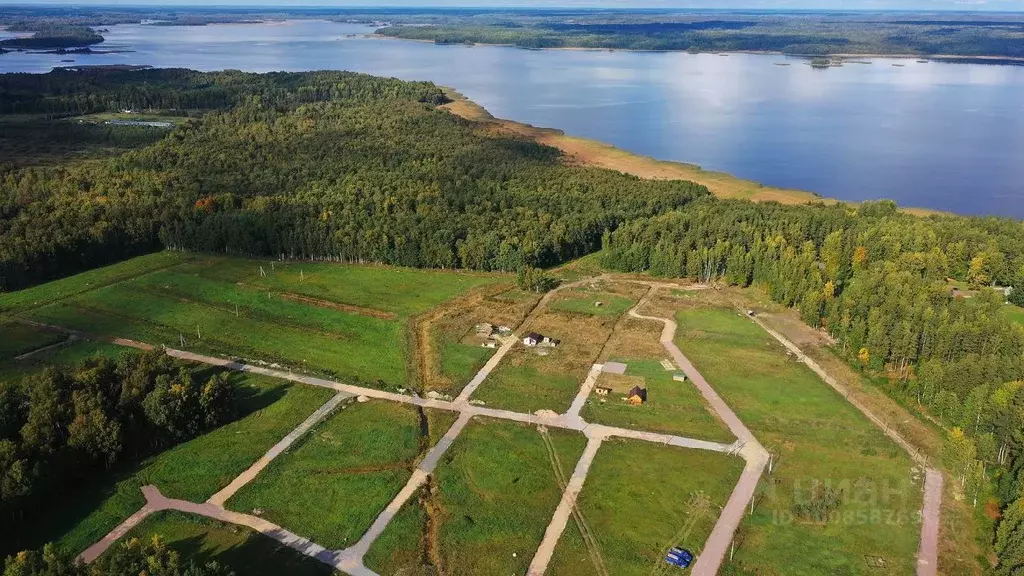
(460, 362)
(819, 438)
(494, 495)
(17, 339)
(14, 302)
(400, 291)
(641, 499)
(237, 548)
(346, 322)
(337, 479)
(194, 470)
(671, 408)
(611, 304)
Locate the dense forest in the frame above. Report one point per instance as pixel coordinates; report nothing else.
(59, 428)
(52, 35)
(326, 165)
(883, 284)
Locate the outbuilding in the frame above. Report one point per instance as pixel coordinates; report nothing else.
(532, 339)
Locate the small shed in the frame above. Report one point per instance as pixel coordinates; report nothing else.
(532, 339)
(602, 390)
(637, 395)
(679, 377)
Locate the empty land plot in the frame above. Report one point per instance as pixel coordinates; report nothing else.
(487, 507)
(639, 500)
(195, 470)
(452, 348)
(14, 302)
(672, 407)
(399, 291)
(842, 494)
(531, 379)
(165, 307)
(347, 322)
(236, 548)
(17, 339)
(592, 302)
(337, 479)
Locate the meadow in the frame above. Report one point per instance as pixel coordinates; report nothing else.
(635, 514)
(671, 408)
(861, 488)
(488, 505)
(334, 482)
(21, 338)
(195, 470)
(1015, 313)
(346, 322)
(66, 355)
(236, 548)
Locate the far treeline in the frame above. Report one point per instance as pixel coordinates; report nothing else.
(352, 168)
(808, 34)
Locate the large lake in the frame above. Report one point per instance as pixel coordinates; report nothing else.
(944, 136)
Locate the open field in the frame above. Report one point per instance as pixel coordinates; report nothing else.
(267, 409)
(20, 338)
(531, 379)
(672, 407)
(348, 322)
(841, 492)
(331, 485)
(641, 499)
(592, 302)
(239, 549)
(489, 504)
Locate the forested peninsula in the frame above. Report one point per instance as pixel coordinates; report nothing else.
(347, 167)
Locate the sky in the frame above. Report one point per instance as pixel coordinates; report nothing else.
(1008, 5)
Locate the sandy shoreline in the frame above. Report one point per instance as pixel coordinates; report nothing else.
(585, 152)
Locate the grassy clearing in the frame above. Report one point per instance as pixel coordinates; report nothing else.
(346, 322)
(162, 307)
(237, 548)
(491, 498)
(819, 439)
(332, 485)
(14, 302)
(195, 470)
(672, 407)
(401, 291)
(597, 303)
(635, 513)
(17, 339)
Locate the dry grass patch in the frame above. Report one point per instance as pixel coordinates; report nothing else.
(531, 379)
(635, 338)
(448, 351)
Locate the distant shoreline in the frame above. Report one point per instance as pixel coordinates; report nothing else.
(586, 152)
(944, 58)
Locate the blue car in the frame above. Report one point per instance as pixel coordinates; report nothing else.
(679, 558)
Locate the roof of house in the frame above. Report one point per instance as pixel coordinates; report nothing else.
(638, 391)
(533, 336)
